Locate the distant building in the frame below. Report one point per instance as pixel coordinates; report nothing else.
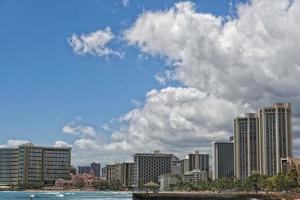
(245, 145)
(195, 175)
(104, 171)
(166, 181)
(223, 160)
(73, 170)
(121, 172)
(275, 137)
(40, 166)
(290, 163)
(9, 166)
(84, 170)
(96, 168)
(198, 161)
(184, 165)
(176, 166)
(149, 166)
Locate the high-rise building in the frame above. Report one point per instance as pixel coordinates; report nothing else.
(198, 161)
(84, 170)
(222, 161)
(149, 166)
(104, 171)
(96, 168)
(245, 135)
(275, 137)
(56, 164)
(9, 166)
(40, 166)
(121, 172)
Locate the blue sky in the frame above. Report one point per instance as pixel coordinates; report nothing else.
(44, 84)
(112, 78)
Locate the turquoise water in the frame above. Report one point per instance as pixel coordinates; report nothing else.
(65, 195)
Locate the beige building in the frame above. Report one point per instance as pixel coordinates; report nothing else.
(245, 136)
(40, 166)
(195, 175)
(262, 139)
(121, 172)
(290, 163)
(9, 166)
(198, 161)
(275, 137)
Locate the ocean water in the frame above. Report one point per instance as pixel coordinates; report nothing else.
(65, 195)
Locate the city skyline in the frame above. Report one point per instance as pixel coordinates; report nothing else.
(170, 75)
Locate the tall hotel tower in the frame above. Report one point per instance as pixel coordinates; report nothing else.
(275, 137)
(245, 133)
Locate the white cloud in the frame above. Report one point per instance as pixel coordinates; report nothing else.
(14, 143)
(94, 43)
(74, 129)
(176, 120)
(252, 58)
(229, 66)
(60, 143)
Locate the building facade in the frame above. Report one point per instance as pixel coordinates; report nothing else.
(33, 166)
(40, 166)
(121, 172)
(289, 164)
(84, 170)
(9, 166)
(167, 180)
(198, 161)
(149, 166)
(245, 136)
(184, 165)
(195, 176)
(222, 160)
(275, 137)
(96, 168)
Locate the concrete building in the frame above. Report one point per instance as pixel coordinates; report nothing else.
(176, 166)
(245, 136)
(198, 161)
(167, 180)
(195, 176)
(104, 172)
(223, 160)
(184, 165)
(56, 164)
(84, 170)
(275, 138)
(121, 172)
(9, 166)
(290, 163)
(149, 166)
(40, 166)
(96, 168)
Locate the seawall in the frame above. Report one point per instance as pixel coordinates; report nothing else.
(204, 196)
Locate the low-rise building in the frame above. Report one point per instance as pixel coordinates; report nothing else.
(195, 176)
(290, 163)
(166, 181)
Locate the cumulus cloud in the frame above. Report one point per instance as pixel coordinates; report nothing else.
(251, 58)
(94, 43)
(175, 120)
(228, 65)
(14, 143)
(74, 129)
(60, 143)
